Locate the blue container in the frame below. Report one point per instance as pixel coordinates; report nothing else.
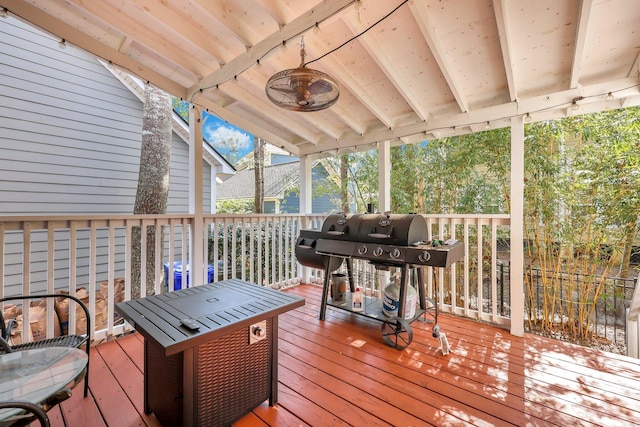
(177, 275)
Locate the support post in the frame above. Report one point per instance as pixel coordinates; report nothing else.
(196, 236)
(306, 207)
(384, 176)
(517, 226)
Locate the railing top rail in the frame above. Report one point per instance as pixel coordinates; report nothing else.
(252, 215)
(81, 217)
(471, 216)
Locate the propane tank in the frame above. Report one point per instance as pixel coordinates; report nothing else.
(391, 299)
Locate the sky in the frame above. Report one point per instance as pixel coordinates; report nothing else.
(217, 132)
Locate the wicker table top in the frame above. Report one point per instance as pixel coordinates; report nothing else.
(219, 308)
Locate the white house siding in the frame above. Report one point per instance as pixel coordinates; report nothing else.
(70, 137)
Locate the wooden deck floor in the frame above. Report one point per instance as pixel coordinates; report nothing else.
(489, 379)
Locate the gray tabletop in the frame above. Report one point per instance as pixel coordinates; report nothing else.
(219, 308)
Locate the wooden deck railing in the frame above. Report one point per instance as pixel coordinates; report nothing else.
(64, 253)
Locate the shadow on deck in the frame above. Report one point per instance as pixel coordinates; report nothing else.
(490, 378)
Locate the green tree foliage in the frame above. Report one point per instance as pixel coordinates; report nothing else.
(581, 215)
(234, 206)
(608, 164)
(180, 107)
(361, 185)
(461, 174)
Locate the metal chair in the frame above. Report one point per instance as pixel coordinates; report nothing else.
(31, 410)
(75, 341)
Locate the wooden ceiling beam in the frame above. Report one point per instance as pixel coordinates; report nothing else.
(267, 6)
(398, 78)
(249, 98)
(170, 18)
(499, 9)
(231, 21)
(586, 8)
(342, 74)
(634, 73)
(263, 48)
(421, 15)
(543, 107)
(132, 29)
(35, 16)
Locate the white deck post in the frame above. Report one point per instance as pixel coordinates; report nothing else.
(384, 188)
(633, 324)
(196, 245)
(306, 207)
(214, 195)
(517, 226)
(384, 176)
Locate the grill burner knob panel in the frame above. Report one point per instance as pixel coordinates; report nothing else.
(424, 256)
(362, 250)
(378, 251)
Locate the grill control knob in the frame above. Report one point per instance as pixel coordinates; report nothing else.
(362, 250)
(395, 253)
(259, 332)
(424, 256)
(377, 251)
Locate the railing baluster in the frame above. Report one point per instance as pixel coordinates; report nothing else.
(51, 253)
(252, 242)
(243, 249)
(467, 296)
(26, 280)
(127, 261)
(92, 272)
(73, 265)
(480, 283)
(110, 278)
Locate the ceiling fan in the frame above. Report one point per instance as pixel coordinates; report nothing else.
(302, 89)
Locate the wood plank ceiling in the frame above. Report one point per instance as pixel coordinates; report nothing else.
(428, 69)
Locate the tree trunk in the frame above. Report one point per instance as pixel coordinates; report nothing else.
(153, 182)
(258, 160)
(344, 182)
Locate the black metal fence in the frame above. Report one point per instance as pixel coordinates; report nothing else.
(608, 319)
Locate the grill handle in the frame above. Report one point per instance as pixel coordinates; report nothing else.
(381, 235)
(332, 255)
(335, 233)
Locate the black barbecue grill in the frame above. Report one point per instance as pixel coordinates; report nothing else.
(385, 240)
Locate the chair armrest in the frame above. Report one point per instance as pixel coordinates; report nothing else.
(5, 345)
(36, 410)
(36, 297)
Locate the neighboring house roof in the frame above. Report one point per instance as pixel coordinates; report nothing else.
(272, 155)
(277, 179)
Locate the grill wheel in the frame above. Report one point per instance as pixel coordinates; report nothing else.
(397, 333)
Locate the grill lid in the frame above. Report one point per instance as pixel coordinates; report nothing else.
(341, 226)
(393, 229)
(387, 228)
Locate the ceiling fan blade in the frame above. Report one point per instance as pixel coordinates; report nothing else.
(320, 86)
(283, 88)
